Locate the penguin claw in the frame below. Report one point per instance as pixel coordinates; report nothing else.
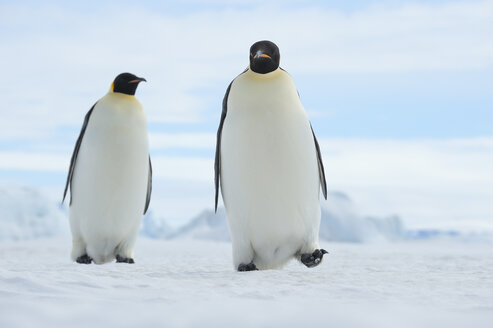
(313, 259)
(121, 259)
(84, 259)
(247, 267)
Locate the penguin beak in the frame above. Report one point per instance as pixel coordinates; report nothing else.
(259, 54)
(138, 80)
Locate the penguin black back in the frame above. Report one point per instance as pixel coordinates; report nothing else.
(264, 57)
(127, 83)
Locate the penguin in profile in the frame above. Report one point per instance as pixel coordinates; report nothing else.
(269, 167)
(110, 176)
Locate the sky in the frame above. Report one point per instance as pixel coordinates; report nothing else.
(399, 94)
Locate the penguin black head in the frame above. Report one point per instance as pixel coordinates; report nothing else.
(264, 57)
(127, 83)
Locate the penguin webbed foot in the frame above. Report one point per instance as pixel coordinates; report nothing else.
(247, 267)
(313, 259)
(84, 259)
(121, 259)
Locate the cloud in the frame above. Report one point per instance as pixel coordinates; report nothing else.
(61, 60)
(424, 181)
(31, 161)
(436, 164)
(349, 162)
(182, 140)
(197, 169)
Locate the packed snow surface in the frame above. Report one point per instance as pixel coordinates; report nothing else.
(386, 277)
(191, 283)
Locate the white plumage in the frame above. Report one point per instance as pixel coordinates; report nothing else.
(269, 171)
(110, 180)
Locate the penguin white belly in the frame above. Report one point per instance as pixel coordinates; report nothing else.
(269, 171)
(110, 179)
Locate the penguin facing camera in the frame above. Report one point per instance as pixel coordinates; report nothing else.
(269, 167)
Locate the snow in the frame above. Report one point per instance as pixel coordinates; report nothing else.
(206, 226)
(191, 283)
(340, 222)
(381, 276)
(26, 213)
(29, 213)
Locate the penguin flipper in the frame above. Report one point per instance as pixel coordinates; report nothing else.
(149, 186)
(73, 160)
(321, 171)
(217, 160)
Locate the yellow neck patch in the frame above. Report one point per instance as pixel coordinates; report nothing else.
(112, 86)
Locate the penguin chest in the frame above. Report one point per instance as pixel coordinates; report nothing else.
(268, 160)
(110, 178)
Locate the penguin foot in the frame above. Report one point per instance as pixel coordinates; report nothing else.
(247, 267)
(121, 259)
(84, 259)
(313, 259)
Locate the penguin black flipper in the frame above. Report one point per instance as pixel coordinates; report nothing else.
(321, 171)
(217, 160)
(75, 153)
(149, 186)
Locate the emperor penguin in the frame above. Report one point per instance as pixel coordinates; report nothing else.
(110, 176)
(269, 167)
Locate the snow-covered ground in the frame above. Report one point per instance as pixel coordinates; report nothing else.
(190, 283)
(383, 276)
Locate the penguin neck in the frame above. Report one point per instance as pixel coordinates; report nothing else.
(122, 99)
(120, 95)
(265, 76)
